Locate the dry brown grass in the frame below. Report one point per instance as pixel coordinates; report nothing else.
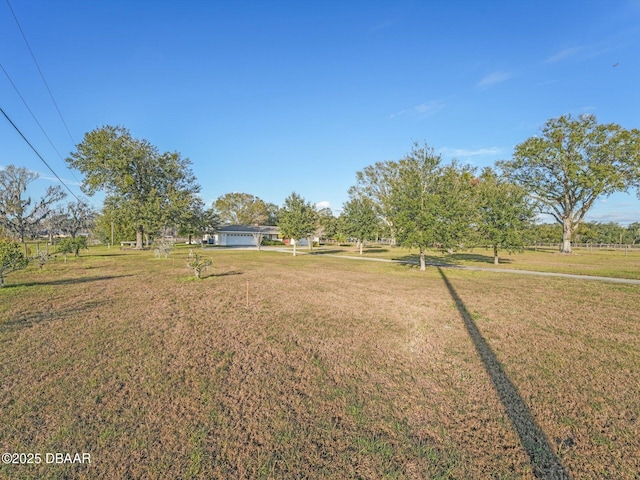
(334, 369)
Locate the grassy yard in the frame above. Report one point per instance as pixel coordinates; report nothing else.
(317, 367)
(583, 261)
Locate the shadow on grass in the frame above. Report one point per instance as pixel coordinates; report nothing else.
(224, 274)
(64, 281)
(475, 257)
(451, 260)
(544, 461)
(327, 252)
(375, 250)
(36, 317)
(414, 259)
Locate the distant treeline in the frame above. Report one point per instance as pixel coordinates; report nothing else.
(588, 232)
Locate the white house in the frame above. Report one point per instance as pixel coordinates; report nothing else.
(242, 235)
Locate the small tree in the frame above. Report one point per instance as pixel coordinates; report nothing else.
(198, 264)
(297, 219)
(11, 259)
(429, 205)
(42, 258)
(72, 245)
(257, 238)
(359, 219)
(327, 224)
(163, 248)
(505, 213)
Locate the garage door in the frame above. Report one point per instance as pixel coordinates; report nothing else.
(239, 239)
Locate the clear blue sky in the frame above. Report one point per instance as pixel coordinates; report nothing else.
(269, 97)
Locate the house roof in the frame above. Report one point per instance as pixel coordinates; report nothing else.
(248, 229)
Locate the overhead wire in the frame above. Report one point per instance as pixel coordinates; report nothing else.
(24, 37)
(38, 153)
(35, 118)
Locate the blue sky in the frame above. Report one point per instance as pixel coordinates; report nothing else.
(269, 97)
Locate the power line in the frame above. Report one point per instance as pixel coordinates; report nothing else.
(38, 154)
(34, 117)
(41, 74)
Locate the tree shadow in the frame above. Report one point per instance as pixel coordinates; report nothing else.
(451, 260)
(33, 318)
(544, 461)
(432, 260)
(327, 252)
(375, 250)
(224, 274)
(64, 281)
(475, 257)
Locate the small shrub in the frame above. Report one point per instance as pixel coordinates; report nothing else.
(163, 248)
(42, 258)
(11, 259)
(72, 245)
(268, 242)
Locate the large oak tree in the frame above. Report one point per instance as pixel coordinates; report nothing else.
(572, 164)
(150, 188)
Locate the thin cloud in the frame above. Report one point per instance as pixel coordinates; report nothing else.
(49, 178)
(381, 26)
(424, 109)
(623, 218)
(54, 179)
(563, 54)
(323, 204)
(494, 78)
(463, 152)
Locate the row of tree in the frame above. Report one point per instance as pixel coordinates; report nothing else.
(416, 200)
(607, 233)
(426, 204)
(560, 173)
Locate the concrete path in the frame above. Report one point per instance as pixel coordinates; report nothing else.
(627, 281)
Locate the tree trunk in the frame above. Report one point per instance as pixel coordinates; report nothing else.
(139, 237)
(310, 241)
(423, 265)
(361, 243)
(294, 246)
(566, 236)
(496, 260)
